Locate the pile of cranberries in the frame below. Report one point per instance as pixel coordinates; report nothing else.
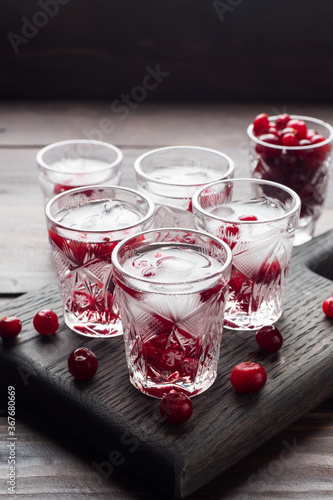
(303, 169)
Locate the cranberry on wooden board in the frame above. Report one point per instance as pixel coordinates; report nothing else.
(82, 363)
(46, 322)
(328, 307)
(176, 408)
(248, 377)
(10, 327)
(269, 338)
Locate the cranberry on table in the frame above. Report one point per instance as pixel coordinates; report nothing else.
(176, 408)
(46, 322)
(269, 338)
(248, 377)
(328, 307)
(82, 363)
(10, 327)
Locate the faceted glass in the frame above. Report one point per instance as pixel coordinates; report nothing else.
(258, 220)
(171, 286)
(170, 176)
(84, 226)
(304, 169)
(71, 164)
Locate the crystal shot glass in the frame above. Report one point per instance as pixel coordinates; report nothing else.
(170, 176)
(172, 287)
(76, 163)
(258, 220)
(303, 168)
(84, 225)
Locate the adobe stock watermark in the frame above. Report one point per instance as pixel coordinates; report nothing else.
(222, 8)
(128, 102)
(30, 27)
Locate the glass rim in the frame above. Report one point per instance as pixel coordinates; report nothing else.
(145, 218)
(294, 148)
(196, 205)
(139, 160)
(41, 163)
(120, 269)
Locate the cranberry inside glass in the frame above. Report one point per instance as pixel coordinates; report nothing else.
(295, 151)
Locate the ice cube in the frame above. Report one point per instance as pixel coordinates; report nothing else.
(174, 267)
(224, 212)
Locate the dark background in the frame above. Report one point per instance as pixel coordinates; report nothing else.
(232, 50)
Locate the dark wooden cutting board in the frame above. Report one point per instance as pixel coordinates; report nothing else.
(225, 426)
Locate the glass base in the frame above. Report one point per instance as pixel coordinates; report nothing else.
(251, 322)
(93, 330)
(157, 390)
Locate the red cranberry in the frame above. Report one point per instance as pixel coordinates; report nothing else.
(229, 233)
(10, 327)
(61, 188)
(273, 130)
(266, 151)
(82, 363)
(282, 121)
(248, 377)
(310, 133)
(316, 139)
(304, 153)
(287, 130)
(261, 124)
(269, 272)
(176, 408)
(269, 338)
(248, 217)
(328, 307)
(300, 126)
(46, 322)
(289, 140)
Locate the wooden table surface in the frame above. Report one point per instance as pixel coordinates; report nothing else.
(51, 463)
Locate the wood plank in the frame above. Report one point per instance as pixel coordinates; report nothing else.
(52, 464)
(219, 125)
(225, 426)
